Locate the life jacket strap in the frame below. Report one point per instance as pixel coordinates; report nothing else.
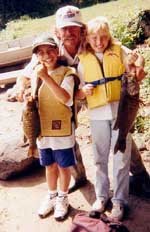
(104, 80)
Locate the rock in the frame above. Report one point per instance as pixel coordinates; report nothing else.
(13, 151)
(139, 140)
(148, 145)
(140, 26)
(144, 22)
(14, 160)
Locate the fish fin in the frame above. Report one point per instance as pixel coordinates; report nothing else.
(120, 146)
(33, 152)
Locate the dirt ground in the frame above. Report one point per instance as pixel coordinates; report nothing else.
(20, 197)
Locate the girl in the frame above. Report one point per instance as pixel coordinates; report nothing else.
(100, 68)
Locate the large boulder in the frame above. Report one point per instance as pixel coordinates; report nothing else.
(13, 152)
(144, 22)
(140, 26)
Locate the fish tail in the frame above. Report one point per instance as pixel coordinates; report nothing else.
(120, 146)
(33, 152)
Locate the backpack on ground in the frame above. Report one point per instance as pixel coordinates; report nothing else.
(83, 223)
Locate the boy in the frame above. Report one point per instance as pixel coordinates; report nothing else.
(55, 98)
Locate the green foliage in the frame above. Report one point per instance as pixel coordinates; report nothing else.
(85, 3)
(139, 124)
(122, 34)
(127, 34)
(146, 83)
(13, 9)
(133, 30)
(25, 17)
(142, 124)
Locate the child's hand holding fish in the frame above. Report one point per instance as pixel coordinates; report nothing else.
(88, 89)
(41, 71)
(135, 66)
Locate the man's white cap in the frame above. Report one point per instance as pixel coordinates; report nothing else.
(68, 16)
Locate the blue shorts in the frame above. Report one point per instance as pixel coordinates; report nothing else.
(64, 158)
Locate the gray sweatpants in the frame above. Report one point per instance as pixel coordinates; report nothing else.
(103, 140)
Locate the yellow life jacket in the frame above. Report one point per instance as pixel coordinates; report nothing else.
(55, 117)
(105, 77)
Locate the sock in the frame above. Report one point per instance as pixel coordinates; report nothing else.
(62, 194)
(52, 193)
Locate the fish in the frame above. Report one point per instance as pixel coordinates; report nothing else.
(31, 125)
(127, 110)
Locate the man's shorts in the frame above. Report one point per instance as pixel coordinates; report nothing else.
(64, 158)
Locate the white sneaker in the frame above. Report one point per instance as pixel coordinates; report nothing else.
(117, 211)
(61, 208)
(47, 206)
(99, 205)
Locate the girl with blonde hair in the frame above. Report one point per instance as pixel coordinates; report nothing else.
(102, 64)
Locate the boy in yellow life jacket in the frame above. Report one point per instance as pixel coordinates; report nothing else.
(55, 98)
(101, 67)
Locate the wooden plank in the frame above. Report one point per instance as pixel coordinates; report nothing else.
(9, 77)
(11, 57)
(16, 51)
(3, 47)
(13, 43)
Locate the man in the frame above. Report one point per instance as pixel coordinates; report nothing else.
(70, 31)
